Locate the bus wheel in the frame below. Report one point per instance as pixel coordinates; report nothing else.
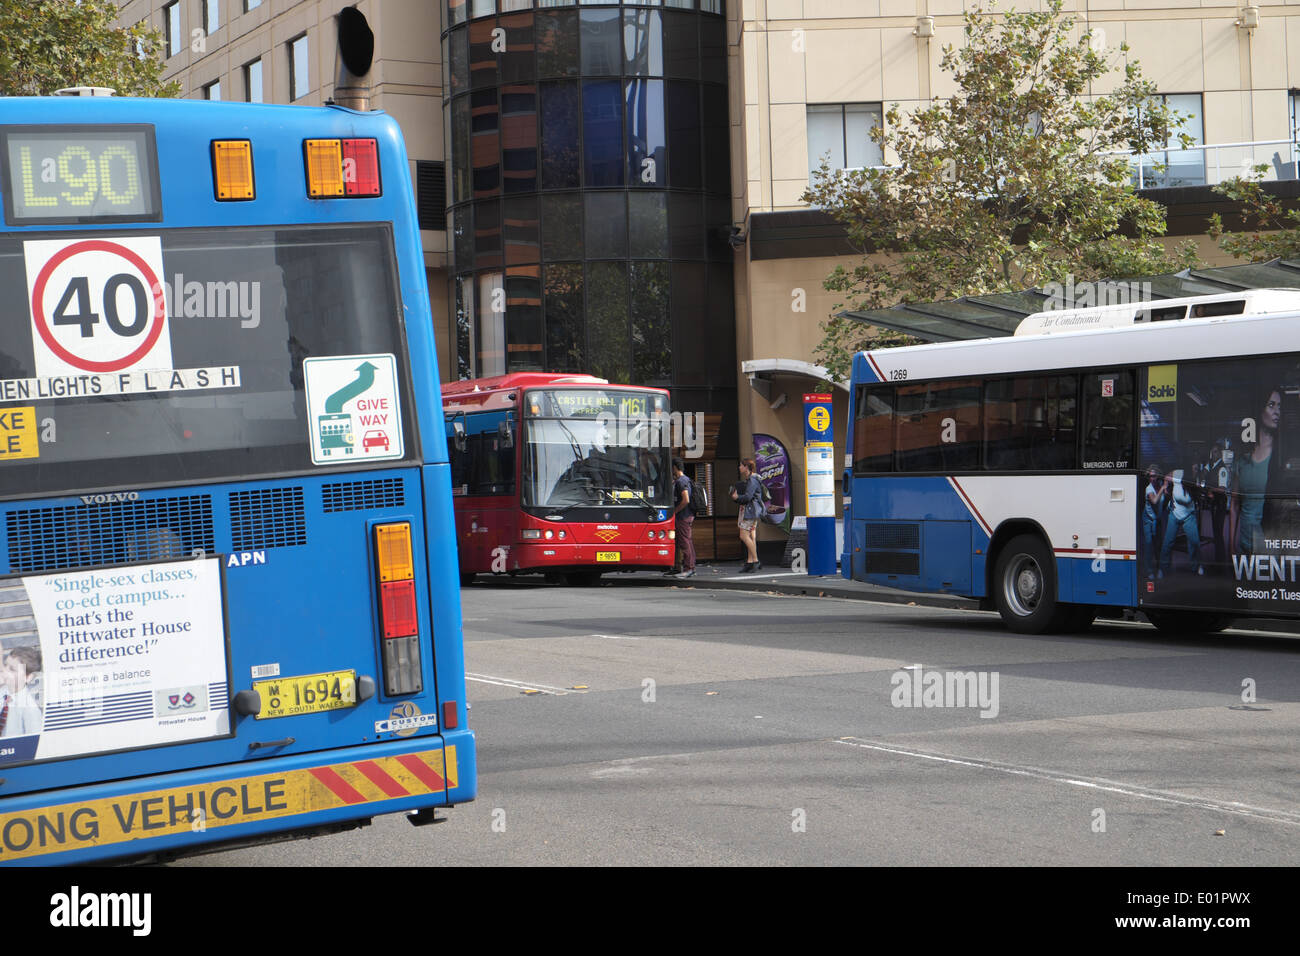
(1024, 586)
(1187, 622)
(466, 580)
(584, 579)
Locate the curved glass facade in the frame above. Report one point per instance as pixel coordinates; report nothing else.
(590, 192)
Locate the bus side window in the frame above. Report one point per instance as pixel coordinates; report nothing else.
(873, 429)
(1108, 439)
(1030, 423)
(937, 425)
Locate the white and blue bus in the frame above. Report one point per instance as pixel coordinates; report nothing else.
(1089, 462)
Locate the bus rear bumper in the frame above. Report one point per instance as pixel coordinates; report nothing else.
(175, 813)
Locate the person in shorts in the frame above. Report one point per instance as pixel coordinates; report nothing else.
(748, 493)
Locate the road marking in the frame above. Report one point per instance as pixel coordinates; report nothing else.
(1091, 783)
(522, 685)
(759, 577)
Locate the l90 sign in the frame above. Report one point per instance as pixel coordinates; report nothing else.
(79, 174)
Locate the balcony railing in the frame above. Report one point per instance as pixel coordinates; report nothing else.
(1212, 164)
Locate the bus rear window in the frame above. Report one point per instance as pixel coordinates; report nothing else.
(245, 308)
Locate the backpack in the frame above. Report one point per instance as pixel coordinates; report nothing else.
(699, 503)
(767, 495)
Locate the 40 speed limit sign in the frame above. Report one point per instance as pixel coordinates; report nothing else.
(97, 305)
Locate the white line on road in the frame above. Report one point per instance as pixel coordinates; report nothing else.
(759, 577)
(522, 685)
(1091, 783)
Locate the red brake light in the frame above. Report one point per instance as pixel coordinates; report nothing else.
(398, 599)
(361, 167)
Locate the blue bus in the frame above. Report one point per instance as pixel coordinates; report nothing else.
(1142, 456)
(229, 604)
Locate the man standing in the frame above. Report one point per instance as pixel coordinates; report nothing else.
(684, 515)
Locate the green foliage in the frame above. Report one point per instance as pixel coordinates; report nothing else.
(1276, 233)
(49, 44)
(1012, 182)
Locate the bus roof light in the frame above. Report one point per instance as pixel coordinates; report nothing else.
(232, 170)
(361, 167)
(324, 162)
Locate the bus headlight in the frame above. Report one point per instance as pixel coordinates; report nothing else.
(549, 534)
(530, 534)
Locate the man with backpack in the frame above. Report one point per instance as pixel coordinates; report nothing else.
(684, 510)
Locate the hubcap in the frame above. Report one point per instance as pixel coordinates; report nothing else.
(1023, 585)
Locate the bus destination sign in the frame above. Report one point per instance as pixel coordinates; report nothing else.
(592, 403)
(79, 174)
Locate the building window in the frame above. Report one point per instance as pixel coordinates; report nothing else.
(172, 27)
(1173, 165)
(298, 80)
(841, 133)
(211, 16)
(212, 91)
(251, 5)
(253, 82)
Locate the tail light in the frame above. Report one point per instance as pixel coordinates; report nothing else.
(232, 169)
(342, 168)
(398, 609)
(324, 159)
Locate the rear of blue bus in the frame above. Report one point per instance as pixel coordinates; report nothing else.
(229, 609)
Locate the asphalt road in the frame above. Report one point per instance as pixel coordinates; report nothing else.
(704, 727)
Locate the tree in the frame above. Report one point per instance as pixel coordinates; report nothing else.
(1010, 183)
(1277, 230)
(49, 44)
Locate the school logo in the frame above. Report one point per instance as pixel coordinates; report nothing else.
(1162, 383)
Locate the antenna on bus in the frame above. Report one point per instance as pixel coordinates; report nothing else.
(356, 52)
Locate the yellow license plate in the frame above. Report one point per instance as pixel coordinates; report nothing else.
(310, 694)
(609, 555)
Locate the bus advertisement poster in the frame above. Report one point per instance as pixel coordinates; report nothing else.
(1219, 486)
(112, 659)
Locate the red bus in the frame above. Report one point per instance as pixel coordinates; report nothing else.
(564, 475)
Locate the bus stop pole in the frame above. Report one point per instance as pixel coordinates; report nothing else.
(819, 484)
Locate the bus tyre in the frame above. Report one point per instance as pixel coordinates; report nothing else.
(466, 579)
(1179, 623)
(1024, 587)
